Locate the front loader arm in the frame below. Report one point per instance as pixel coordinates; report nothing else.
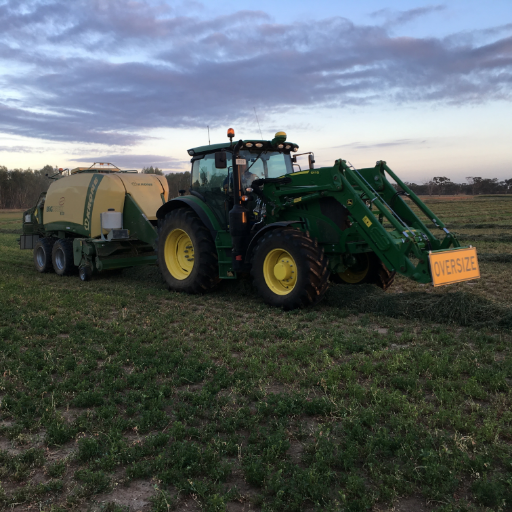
(409, 240)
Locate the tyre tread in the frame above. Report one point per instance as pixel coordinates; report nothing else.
(47, 244)
(66, 244)
(206, 277)
(315, 284)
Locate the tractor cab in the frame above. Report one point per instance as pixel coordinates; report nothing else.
(213, 174)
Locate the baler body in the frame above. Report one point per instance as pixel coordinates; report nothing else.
(71, 211)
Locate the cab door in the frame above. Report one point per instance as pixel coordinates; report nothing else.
(212, 183)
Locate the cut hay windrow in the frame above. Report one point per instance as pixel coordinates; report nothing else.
(495, 258)
(455, 225)
(468, 237)
(459, 308)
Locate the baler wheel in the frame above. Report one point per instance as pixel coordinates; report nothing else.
(43, 254)
(289, 269)
(85, 273)
(62, 257)
(187, 256)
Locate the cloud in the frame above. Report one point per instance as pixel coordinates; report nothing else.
(135, 161)
(399, 142)
(22, 149)
(62, 125)
(393, 17)
(103, 72)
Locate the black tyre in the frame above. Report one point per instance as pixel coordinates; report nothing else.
(43, 254)
(62, 257)
(85, 273)
(187, 256)
(289, 269)
(367, 269)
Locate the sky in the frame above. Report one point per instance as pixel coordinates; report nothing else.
(425, 86)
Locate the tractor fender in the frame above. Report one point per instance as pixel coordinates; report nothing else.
(265, 230)
(187, 202)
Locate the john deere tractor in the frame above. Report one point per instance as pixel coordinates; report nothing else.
(252, 209)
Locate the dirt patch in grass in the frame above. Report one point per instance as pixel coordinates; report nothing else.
(8, 446)
(134, 496)
(411, 504)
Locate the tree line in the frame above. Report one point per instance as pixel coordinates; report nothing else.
(20, 188)
(475, 185)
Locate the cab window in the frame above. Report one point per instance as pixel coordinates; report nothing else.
(265, 165)
(278, 164)
(206, 177)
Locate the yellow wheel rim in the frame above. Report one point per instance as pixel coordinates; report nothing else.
(179, 254)
(358, 272)
(280, 271)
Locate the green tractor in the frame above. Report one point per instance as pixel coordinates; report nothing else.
(252, 209)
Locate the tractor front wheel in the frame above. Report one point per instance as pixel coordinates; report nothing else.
(367, 269)
(289, 269)
(187, 256)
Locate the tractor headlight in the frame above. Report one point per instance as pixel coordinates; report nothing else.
(295, 148)
(191, 152)
(249, 145)
(288, 146)
(280, 146)
(259, 145)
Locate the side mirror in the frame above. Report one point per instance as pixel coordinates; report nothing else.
(311, 160)
(221, 160)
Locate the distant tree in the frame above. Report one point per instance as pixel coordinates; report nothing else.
(474, 183)
(152, 170)
(489, 186)
(417, 189)
(20, 188)
(430, 186)
(441, 184)
(47, 169)
(178, 181)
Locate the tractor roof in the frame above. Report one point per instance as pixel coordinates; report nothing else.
(266, 145)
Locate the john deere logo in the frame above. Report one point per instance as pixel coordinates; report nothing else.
(350, 202)
(135, 184)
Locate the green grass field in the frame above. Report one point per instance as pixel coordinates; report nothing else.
(119, 395)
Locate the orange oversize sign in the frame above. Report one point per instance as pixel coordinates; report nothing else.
(449, 267)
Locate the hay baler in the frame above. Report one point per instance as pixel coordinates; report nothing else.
(251, 208)
(93, 219)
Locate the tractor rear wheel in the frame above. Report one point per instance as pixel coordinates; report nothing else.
(187, 256)
(367, 269)
(43, 254)
(289, 269)
(62, 257)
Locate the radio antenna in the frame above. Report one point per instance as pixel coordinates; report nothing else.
(208, 135)
(258, 122)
